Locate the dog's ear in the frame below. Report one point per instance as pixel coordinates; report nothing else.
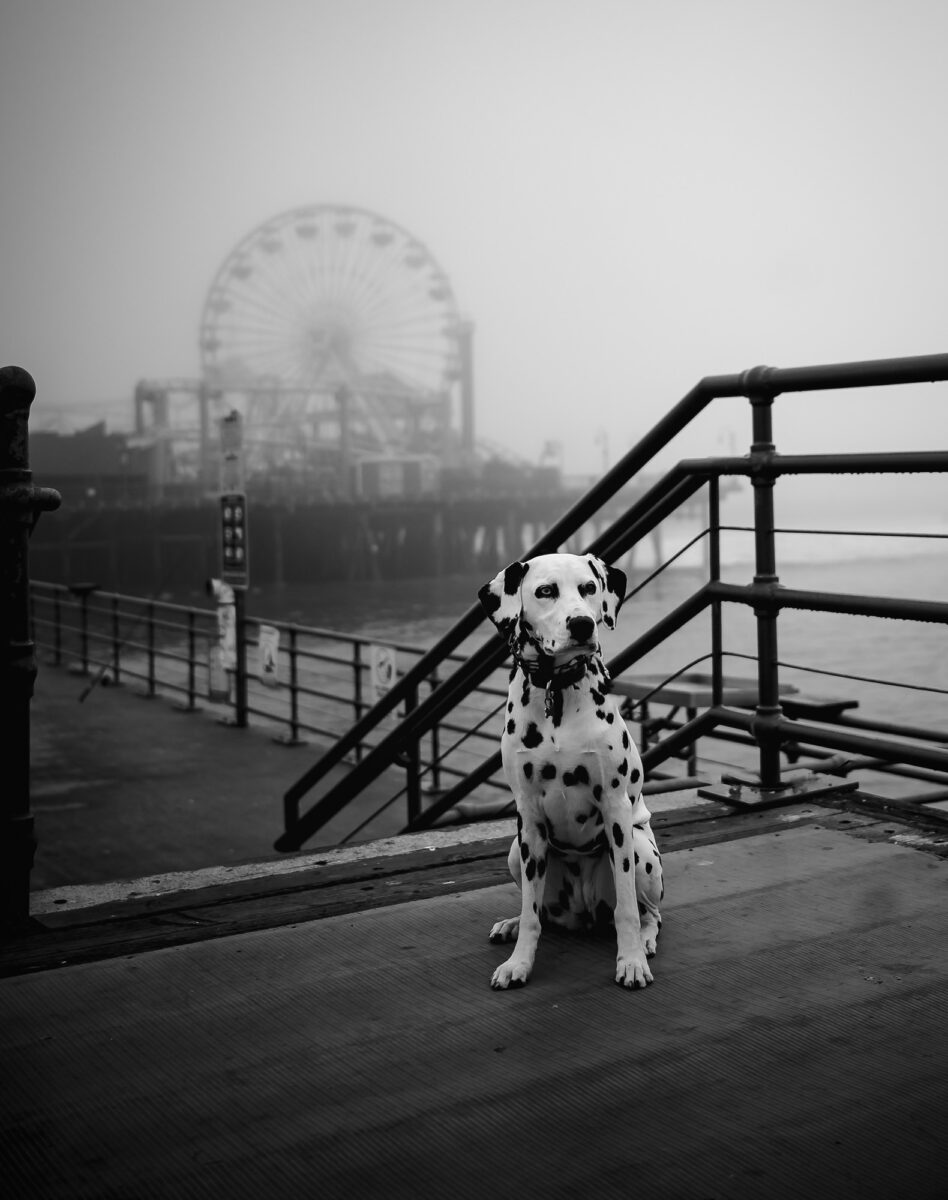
(501, 598)
(613, 589)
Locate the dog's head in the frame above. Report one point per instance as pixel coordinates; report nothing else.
(555, 602)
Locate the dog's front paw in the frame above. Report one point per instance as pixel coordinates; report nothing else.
(505, 931)
(512, 973)
(633, 971)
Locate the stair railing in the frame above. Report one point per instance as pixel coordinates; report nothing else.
(760, 385)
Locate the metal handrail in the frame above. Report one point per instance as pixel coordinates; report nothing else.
(162, 646)
(760, 385)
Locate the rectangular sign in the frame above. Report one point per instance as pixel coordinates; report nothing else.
(234, 558)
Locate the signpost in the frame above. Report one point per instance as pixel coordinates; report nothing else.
(234, 563)
(234, 547)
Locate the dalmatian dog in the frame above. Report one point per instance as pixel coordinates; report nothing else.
(584, 853)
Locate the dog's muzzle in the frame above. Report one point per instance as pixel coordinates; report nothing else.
(581, 629)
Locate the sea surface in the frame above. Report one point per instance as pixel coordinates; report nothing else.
(858, 658)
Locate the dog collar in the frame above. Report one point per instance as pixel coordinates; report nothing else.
(543, 672)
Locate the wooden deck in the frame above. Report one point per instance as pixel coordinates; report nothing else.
(329, 1030)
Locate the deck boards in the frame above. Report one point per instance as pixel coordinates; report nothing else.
(794, 1044)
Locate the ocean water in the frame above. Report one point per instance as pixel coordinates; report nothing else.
(858, 658)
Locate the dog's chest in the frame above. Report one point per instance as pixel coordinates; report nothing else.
(566, 765)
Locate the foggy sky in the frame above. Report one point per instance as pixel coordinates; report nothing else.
(626, 196)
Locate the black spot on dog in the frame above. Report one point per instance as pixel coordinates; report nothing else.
(541, 867)
(635, 776)
(548, 771)
(528, 770)
(597, 792)
(625, 864)
(513, 577)
(490, 601)
(541, 829)
(648, 868)
(623, 767)
(597, 696)
(511, 726)
(582, 818)
(510, 706)
(617, 833)
(614, 783)
(625, 739)
(524, 851)
(535, 906)
(577, 775)
(531, 868)
(533, 737)
(519, 824)
(636, 858)
(610, 717)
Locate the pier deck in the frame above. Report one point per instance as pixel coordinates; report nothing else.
(331, 1032)
(322, 1024)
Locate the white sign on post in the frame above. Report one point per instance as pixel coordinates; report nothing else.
(268, 649)
(222, 654)
(383, 671)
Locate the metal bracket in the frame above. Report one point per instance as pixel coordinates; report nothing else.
(747, 793)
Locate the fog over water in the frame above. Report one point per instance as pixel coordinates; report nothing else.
(624, 197)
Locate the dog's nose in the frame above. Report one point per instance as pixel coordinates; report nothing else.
(581, 629)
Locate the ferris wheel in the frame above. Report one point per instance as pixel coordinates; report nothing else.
(331, 296)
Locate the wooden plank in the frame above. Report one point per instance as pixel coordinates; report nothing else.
(159, 921)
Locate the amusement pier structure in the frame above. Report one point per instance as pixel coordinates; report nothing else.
(336, 336)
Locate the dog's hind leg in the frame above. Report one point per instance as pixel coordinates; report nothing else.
(507, 929)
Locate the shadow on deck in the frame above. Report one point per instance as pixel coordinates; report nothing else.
(327, 1029)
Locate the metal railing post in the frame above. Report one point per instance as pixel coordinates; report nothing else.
(84, 629)
(766, 723)
(357, 693)
(150, 610)
(192, 662)
(412, 762)
(20, 507)
(57, 630)
(116, 642)
(435, 784)
(240, 672)
(714, 575)
(294, 691)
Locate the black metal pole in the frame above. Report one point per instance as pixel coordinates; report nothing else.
(240, 671)
(714, 576)
(761, 396)
(20, 506)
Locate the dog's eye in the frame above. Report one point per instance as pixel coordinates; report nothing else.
(546, 591)
(587, 589)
